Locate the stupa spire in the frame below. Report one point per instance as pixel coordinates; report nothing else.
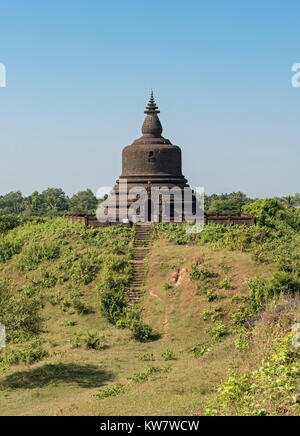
(152, 108)
(152, 126)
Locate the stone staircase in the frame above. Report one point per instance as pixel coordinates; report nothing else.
(141, 247)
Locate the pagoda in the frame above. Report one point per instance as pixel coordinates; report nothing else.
(151, 161)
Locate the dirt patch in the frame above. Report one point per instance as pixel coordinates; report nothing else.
(178, 276)
(155, 295)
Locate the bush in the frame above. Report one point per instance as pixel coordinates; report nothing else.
(264, 210)
(140, 331)
(140, 377)
(111, 391)
(28, 354)
(85, 268)
(80, 306)
(263, 390)
(219, 331)
(8, 222)
(91, 340)
(263, 290)
(210, 295)
(20, 314)
(168, 355)
(147, 357)
(9, 246)
(242, 342)
(35, 253)
(200, 350)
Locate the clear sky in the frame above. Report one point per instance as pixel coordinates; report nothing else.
(79, 75)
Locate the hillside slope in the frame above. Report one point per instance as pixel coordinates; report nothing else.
(78, 363)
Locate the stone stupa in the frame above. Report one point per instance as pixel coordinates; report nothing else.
(150, 161)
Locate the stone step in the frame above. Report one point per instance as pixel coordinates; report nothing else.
(142, 241)
(141, 248)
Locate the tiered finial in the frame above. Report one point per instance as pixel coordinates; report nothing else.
(152, 108)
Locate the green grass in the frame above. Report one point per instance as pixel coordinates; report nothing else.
(77, 362)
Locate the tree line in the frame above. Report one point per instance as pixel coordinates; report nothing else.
(54, 202)
(51, 202)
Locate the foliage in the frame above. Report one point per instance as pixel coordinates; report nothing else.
(84, 202)
(35, 253)
(140, 377)
(219, 330)
(226, 206)
(19, 313)
(264, 210)
(242, 342)
(225, 203)
(200, 350)
(28, 354)
(52, 202)
(8, 222)
(80, 307)
(83, 268)
(168, 355)
(275, 238)
(91, 340)
(111, 391)
(147, 357)
(262, 391)
(264, 290)
(116, 275)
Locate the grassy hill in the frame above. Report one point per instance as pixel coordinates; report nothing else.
(73, 350)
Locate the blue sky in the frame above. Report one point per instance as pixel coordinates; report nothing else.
(79, 76)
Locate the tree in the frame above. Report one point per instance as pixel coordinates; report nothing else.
(264, 210)
(54, 201)
(33, 205)
(226, 206)
(11, 203)
(84, 202)
(237, 198)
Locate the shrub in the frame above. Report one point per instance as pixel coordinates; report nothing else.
(210, 295)
(80, 307)
(220, 330)
(147, 357)
(140, 331)
(263, 290)
(111, 391)
(166, 286)
(140, 377)
(199, 350)
(242, 342)
(9, 246)
(85, 268)
(20, 314)
(168, 355)
(264, 210)
(263, 390)
(75, 342)
(65, 305)
(35, 253)
(29, 353)
(91, 340)
(8, 222)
